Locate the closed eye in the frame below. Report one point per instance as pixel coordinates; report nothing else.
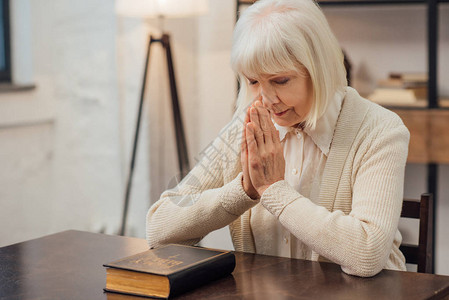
(252, 81)
(282, 80)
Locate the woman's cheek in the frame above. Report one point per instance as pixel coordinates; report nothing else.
(287, 99)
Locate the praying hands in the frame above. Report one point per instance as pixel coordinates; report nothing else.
(262, 156)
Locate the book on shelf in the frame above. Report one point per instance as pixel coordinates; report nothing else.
(401, 89)
(410, 77)
(385, 96)
(400, 84)
(167, 271)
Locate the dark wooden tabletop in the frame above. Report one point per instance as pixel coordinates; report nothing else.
(68, 265)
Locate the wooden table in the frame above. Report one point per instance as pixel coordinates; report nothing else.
(68, 265)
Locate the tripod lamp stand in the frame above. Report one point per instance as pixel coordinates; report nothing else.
(161, 9)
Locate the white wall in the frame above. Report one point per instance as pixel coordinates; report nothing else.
(65, 146)
(59, 145)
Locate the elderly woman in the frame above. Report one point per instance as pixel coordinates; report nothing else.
(316, 171)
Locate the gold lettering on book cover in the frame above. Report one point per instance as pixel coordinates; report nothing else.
(161, 263)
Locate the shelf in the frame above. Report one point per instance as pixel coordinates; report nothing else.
(427, 120)
(356, 2)
(420, 104)
(369, 2)
(429, 141)
(11, 87)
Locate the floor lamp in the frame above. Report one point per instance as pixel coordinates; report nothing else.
(161, 9)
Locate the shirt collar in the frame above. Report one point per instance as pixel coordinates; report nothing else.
(324, 130)
(282, 131)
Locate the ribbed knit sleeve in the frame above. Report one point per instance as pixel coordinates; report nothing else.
(362, 240)
(205, 200)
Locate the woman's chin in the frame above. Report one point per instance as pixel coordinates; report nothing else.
(286, 119)
(284, 122)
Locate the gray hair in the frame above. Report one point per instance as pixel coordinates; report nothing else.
(275, 36)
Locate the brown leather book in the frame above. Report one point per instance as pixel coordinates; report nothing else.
(167, 271)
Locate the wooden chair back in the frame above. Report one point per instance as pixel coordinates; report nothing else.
(421, 254)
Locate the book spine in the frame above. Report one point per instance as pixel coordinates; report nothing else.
(201, 274)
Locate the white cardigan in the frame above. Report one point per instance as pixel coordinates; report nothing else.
(359, 197)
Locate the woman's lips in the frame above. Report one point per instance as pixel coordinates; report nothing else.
(281, 113)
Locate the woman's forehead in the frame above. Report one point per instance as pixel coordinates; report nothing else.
(270, 75)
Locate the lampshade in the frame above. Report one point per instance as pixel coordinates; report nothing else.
(155, 8)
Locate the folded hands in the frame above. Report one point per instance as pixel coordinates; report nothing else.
(262, 155)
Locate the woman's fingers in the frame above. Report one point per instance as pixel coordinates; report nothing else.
(264, 160)
(247, 183)
(253, 149)
(250, 157)
(251, 140)
(243, 144)
(266, 125)
(258, 133)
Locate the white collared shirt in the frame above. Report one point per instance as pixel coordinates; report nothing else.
(305, 153)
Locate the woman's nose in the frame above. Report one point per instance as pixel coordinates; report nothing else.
(268, 97)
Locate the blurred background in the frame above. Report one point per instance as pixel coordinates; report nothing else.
(68, 109)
